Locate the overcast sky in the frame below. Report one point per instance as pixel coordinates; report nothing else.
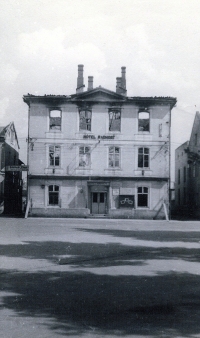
(43, 41)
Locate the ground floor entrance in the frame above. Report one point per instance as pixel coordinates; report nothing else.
(99, 202)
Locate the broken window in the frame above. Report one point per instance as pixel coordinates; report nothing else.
(85, 119)
(114, 157)
(142, 195)
(53, 195)
(143, 158)
(114, 119)
(84, 156)
(55, 120)
(54, 156)
(143, 121)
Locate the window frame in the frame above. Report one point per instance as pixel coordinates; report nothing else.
(115, 154)
(53, 194)
(145, 194)
(85, 110)
(59, 110)
(140, 119)
(87, 166)
(143, 155)
(114, 110)
(54, 157)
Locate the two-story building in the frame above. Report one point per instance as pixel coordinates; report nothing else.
(99, 152)
(10, 176)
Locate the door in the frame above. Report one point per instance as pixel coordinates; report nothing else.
(99, 200)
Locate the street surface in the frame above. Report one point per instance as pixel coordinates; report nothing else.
(99, 278)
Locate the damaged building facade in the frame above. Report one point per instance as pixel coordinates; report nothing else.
(99, 152)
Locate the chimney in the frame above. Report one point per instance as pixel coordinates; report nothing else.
(90, 82)
(118, 85)
(80, 80)
(123, 82)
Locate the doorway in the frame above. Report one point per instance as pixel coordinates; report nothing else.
(99, 202)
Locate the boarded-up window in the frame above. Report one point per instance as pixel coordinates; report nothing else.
(142, 195)
(53, 195)
(114, 119)
(85, 118)
(54, 155)
(114, 157)
(55, 120)
(84, 156)
(143, 121)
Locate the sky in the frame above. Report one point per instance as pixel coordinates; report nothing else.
(43, 41)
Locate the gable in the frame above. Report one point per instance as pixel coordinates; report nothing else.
(98, 94)
(10, 136)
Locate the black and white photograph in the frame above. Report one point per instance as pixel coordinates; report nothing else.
(100, 168)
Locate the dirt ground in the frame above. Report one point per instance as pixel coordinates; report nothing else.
(99, 278)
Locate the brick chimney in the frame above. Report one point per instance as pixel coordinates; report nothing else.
(90, 82)
(80, 80)
(118, 85)
(121, 83)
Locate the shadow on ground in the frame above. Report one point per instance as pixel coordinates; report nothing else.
(81, 302)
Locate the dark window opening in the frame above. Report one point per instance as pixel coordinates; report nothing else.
(114, 119)
(142, 197)
(55, 120)
(143, 121)
(53, 195)
(94, 197)
(179, 176)
(114, 157)
(85, 119)
(184, 174)
(102, 197)
(143, 157)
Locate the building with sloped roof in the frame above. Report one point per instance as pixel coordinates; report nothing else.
(99, 153)
(10, 180)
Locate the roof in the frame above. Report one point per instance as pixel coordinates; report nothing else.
(99, 94)
(3, 131)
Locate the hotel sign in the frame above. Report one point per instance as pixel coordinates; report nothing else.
(99, 137)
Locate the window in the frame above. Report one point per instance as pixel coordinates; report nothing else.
(84, 157)
(114, 157)
(143, 121)
(55, 120)
(142, 195)
(85, 117)
(114, 119)
(179, 176)
(143, 157)
(184, 174)
(179, 197)
(53, 195)
(54, 156)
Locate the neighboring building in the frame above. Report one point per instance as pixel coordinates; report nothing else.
(182, 173)
(10, 181)
(99, 152)
(187, 173)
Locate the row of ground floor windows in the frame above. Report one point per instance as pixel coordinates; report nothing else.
(142, 196)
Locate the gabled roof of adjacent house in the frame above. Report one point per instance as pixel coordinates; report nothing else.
(3, 131)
